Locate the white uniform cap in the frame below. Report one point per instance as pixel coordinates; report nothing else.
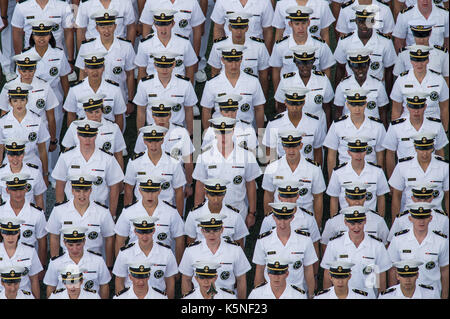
(153, 127)
(284, 183)
(156, 179)
(353, 185)
(371, 8)
(340, 263)
(166, 12)
(96, 54)
(350, 210)
(272, 259)
(14, 220)
(217, 121)
(20, 176)
(412, 95)
(84, 122)
(420, 136)
(46, 23)
(168, 54)
(86, 177)
(201, 264)
(214, 181)
(354, 53)
(240, 14)
(144, 218)
(227, 97)
(353, 92)
(87, 98)
(303, 9)
(411, 263)
(70, 230)
(101, 13)
(287, 132)
(295, 90)
(300, 49)
(30, 55)
(416, 47)
(158, 102)
(14, 86)
(209, 217)
(73, 269)
(353, 139)
(231, 47)
(281, 205)
(17, 140)
(426, 185)
(7, 269)
(416, 206)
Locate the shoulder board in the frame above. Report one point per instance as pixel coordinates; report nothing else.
(147, 37)
(440, 212)
(76, 83)
(137, 155)
(282, 39)
(248, 73)
(426, 286)
(321, 292)
(402, 232)
(337, 236)
(34, 113)
(205, 149)
(148, 77)
(182, 77)
(127, 246)
(339, 166)
(387, 36)
(397, 121)
(95, 253)
(166, 202)
(244, 122)
(188, 293)
(195, 243)
(228, 290)
(373, 164)
(164, 245)
(220, 39)
(267, 233)
(403, 49)
(90, 290)
(288, 75)
(375, 119)
(87, 40)
(443, 8)
(278, 116)
(434, 119)
(361, 292)
(257, 39)
(160, 291)
(318, 39)
(2, 203)
(59, 290)
(32, 166)
(406, 212)
(3, 165)
(374, 77)
(129, 205)
(26, 292)
(109, 153)
(307, 211)
(346, 4)
(407, 9)
(343, 117)
(26, 49)
(439, 233)
(347, 77)
(181, 36)
(346, 36)
(298, 289)
(441, 159)
(60, 203)
(375, 237)
(312, 162)
(100, 204)
(261, 284)
(441, 48)
(302, 232)
(35, 206)
(232, 242)
(56, 257)
(382, 2)
(41, 79)
(388, 291)
(122, 291)
(198, 206)
(232, 208)
(319, 73)
(68, 149)
(4, 114)
(112, 82)
(405, 159)
(404, 73)
(439, 73)
(312, 115)
(123, 39)
(29, 245)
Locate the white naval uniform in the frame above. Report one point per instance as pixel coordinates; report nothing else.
(97, 219)
(420, 292)
(234, 226)
(102, 164)
(384, 20)
(21, 294)
(36, 183)
(313, 131)
(433, 252)
(265, 292)
(232, 259)
(177, 44)
(320, 18)
(113, 103)
(128, 293)
(320, 92)
(243, 135)
(438, 16)
(298, 250)
(179, 90)
(125, 17)
(188, 15)
(439, 222)
(307, 172)
(370, 256)
(118, 60)
(247, 86)
(303, 220)
(84, 294)
(383, 54)
(438, 60)
(283, 57)
(433, 83)
(6, 40)
(169, 226)
(96, 273)
(255, 56)
(221, 294)
(239, 168)
(34, 227)
(24, 256)
(343, 127)
(56, 11)
(371, 174)
(168, 168)
(398, 136)
(408, 172)
(162, 263)
(261, 11)
(352, 294)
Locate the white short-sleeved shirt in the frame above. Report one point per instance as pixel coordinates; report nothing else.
(97, 219)
(169, 226)
(125, 17)
(162, 264)
(398, 136)
(306, 172)
(231, 257)
(433, 252)
(371, 174)
(84, 294)
(21, 294)
(243, 135)
(383, 52)
(299, 250)
(261, 11)
(310, 125)
(102, 165)
(433, 83)
(234, 226)
(179, 90)
(247, 86)
(130, 294)
(343, 127)
(170, 170)
(255, 56)
(321, 17)
(188, 15)
(420, 292)
(408, 172)
(283, 57)
(352, 294)
(265, 292)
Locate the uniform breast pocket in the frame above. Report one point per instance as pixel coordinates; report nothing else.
(315, 96)
(25, 263)
(238, 172)
(28, 232)
(305, 189)
(106, 142)
(167, 177)
(162, 233)
(372, 100)
(53, 69)
(90, 279)
(430, 260)
(99, 175)
(179, 100)
(117, 67)
(308, 144)
(94, 232)
(184, 20)
(250, 65)
(314, 26)
(225, 272)
(406, 253)
(108, 106)
(246, 102)
(158, 271)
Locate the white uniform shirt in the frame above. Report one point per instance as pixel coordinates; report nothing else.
(410, 3)
(420, 292)
(221, 294)
(102, 165)
(243, 135)
(20, 294)
(151, 294)
(352, 294)
(306, 172)
(433, 252)
(343, 127)
(408, 172)
(371, 174)
(162, 264)
(299, 250)
(97, 219)
(84, 294)
(265, 292)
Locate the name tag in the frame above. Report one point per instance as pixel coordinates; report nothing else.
(152, 95)
(7, 126)
(271, 252)
(30, 17)
(141, 173)
(406, 251)
(279, 177)
(405, 139)
(221, 94)
(343, 256)
(288, 56)
(411, 179)
(212, 166)
(75, 166)
(67, 222)
(409, 86)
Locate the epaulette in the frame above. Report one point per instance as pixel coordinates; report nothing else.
(374, 77)
(109, 153)
(2, 202)
(244, 122)
(318, 39)
(440, 212)
(403, 49)
(426, 286)
(407, 9)
(3, 165)
(137, 155)
(26, 292)
(59, 290)
(380, 1)
(32, 166)
(282, 39)
(228, 290)
(26, 49)
(166, 202)
(347, 77)
(402, 232)
(441, 48)
(182, 77)
(376, 119)
(220, 39)
(123, 39)
(320, 73)
(232, 242)
(439, 158)
(388, 291)
(267, 233)
(94, 252)
(4, 114)
(198, 206)
(288, 75)
(160, 291)
(188, 293)
(90, 290)
(248, 73)
(343, 117)
(298, 289)
(404, 73)
(361, 292)
(312, 162)
(312, 115)
(34, 113)
(261, 284)
(405, 159)
(440, 234)
(278, 116)
(403, 213)
(87, 40)
(439, 73)
(112, 82)
(257, 39)
(434, 119)
(147, 37)
(307, 211)
(129, 205)
(35, 206)
(302, 232)
(373, 164)
(232, 208)
(68, 149)
(346, 4)
(148, 77)
(214, 76)
(337, 236)
(321, 292)
(164, 245)
(29, 245)
(76, 83)
(41, 79)
(203, 150)
(346, 36)
(441, 7)
(127, 246)
(100, 204)
(56, 257)
(387, 36)
(397, 121)
(182, 36)
(122, 291)
(60, 203)
(195, 243)
(375, 237)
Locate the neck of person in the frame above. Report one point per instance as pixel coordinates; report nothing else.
(95, 83)
(165, 39)
(423, 164)
(240, 41)
(10, 248)
(26, 81)
(284, 234)
(17, 168)
(87, 151)
(20, 115)
(11, 295)
(232, 76)
(295, 117)
(165, 80)
(214, 245)
(408, 293)
(425, 11)
(75, 295)
(357, 119)
(146, 247)
(358, 166)
(150, 209)
(41, 49)
(357, 239)
(420, 75)
(305, 78)
(300, 38)
(278, 291)
(341, 292)
(17, 205)
(81, 208)
(364, 39)
(214, 210)
(365, 2)
(227, 146)
(77, 259)
(107, 42)
(420, 234)
(416, 122)
(361, 80)
(293, 162)
(155, 156)
(140, 292)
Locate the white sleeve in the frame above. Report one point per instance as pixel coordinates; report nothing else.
(114, 172)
